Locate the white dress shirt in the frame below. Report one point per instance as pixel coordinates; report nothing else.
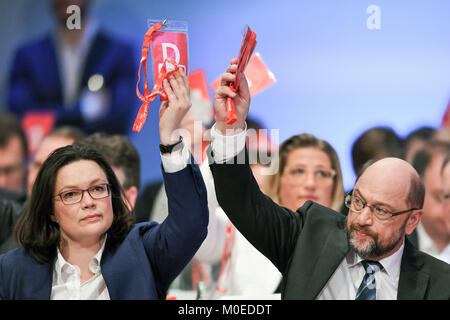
(347, 278)
(427, 245)
(445, 254)
(71, 59)
(66, 283)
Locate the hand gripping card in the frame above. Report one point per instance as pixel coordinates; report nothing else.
(245, 52)
(167, 42)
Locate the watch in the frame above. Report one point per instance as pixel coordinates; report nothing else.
(172, 147)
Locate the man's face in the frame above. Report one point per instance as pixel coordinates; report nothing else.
(12, 165)
(47, 146)
(384, 186)
(446, 190)
(433, 208)
(60, 8)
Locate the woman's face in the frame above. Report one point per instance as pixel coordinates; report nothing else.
(88, 219)
(307, 175)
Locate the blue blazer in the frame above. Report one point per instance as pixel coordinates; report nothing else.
(35, 83)
(140, 267)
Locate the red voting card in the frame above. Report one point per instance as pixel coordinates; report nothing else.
(169, 52)
(169, 45)
(259, 77)
(245, 52)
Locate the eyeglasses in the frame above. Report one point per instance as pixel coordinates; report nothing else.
(322, 176)
(74, 196)
(357, 205)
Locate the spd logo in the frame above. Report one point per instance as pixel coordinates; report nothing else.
(169, 45)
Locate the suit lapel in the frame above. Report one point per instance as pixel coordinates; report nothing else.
(333, 251)
(413, 282)
(50, 70)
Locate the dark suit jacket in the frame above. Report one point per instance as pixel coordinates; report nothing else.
(35, 83)
(307, 246)
(10, 212)
(145, 201)
(144, 264)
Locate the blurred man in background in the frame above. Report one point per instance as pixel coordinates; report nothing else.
(445, 254)
(124, 159)
(13, 155)
(83, 75)
(431, 235)
(58, 138)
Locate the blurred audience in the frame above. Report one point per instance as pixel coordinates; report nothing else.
(417, 140)
(431, 235)
(442, 134)
(124, 159)
(59, 137)
(85, 76)
(376, 143)
(13, 156)
(12, 209)
(445, 173)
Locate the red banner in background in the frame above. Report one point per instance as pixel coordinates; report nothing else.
(201, 109)
(36, 126)
(197, 81)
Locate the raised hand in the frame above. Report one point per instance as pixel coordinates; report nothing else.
(241, 100)
(175, 108)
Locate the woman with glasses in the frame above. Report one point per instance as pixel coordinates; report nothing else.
(78, 237)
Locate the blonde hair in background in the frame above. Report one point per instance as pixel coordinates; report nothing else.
(302, 141)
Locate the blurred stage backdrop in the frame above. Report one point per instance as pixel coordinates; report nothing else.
(338, 71)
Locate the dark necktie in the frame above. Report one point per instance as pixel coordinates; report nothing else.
(367, 289)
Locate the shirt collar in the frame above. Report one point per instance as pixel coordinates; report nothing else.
(425, 243)
(390, 264)
(94, 265)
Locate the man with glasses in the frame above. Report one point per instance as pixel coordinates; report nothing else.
(322, 254)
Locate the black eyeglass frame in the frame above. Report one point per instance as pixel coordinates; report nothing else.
(365, 204)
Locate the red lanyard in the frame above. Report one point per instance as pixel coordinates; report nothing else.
(157, 88)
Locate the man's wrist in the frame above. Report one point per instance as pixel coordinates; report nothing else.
(230, 130)
(225, 147)
(172, 147)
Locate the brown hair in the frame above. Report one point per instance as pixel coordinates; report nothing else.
(35, 230)
(9, 128)
(120, 152)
